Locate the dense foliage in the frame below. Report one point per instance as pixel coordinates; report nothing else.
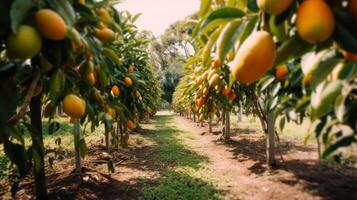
(84, 57)
(290, 61)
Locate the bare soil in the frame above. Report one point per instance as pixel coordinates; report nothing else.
(296, 176)
(240, 163)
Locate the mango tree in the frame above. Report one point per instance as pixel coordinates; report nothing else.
(59, 54)
(298, 56)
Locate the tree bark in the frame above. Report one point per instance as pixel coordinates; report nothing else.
(38, 148)
(106, 135)
(270, 148)
(318, 150)
(77, 151)
(224, 122)
(210, 125)
(227, 135)
(239, 115)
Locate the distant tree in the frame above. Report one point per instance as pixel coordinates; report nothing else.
(169, 53)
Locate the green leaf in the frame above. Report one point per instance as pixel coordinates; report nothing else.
(241, 4)
(272, 103)
(311, 60)
(252, 23)
(206, 54)
(192, 61)
(58, 141)
(228, 38)
(231, 80)
(54, 126)
(57, 85)
(323, 70)
(75, 36)
(136, 17)
(277, 29)
(265, 82)
(302, 103)
(205, 7)
(196, 29)
(341, 142)
(102, 73)
(111, 55)
(340, 108)
(222, 13)
(252, 5)
(19, 12)
(291, 49)
(65, 9)
(349, 70)
(312, 130)
(282, 124)
(213, 25)
(275, 90)
(324, 96)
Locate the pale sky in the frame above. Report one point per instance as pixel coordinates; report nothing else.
(157, 15)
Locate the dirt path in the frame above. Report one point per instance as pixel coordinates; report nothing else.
(241, 162)
(242, 183)
(172, 158)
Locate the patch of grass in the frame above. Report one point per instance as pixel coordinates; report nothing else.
(64, 133)
(183, 175)
(4, 161)
(171, 150)
(175, 186)
(291, 130)
(65, 127)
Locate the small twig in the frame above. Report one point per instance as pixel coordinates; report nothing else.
(277, 136)
(18, 116)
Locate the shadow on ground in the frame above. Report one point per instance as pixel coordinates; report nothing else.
(162, 158)
(325, 180)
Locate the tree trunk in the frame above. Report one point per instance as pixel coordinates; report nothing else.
(239, 115)
(120, 132)
(227, 135)
(77, 151)
(107, 141)
(318, 150)
(194, 117)
(210, 125)
(38, 148)
(261, 115)
(224, 122)
(270, 148)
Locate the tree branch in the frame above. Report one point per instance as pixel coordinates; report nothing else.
(18, 116)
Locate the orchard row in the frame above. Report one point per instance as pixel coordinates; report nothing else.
(84, 57)
(287, 60)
